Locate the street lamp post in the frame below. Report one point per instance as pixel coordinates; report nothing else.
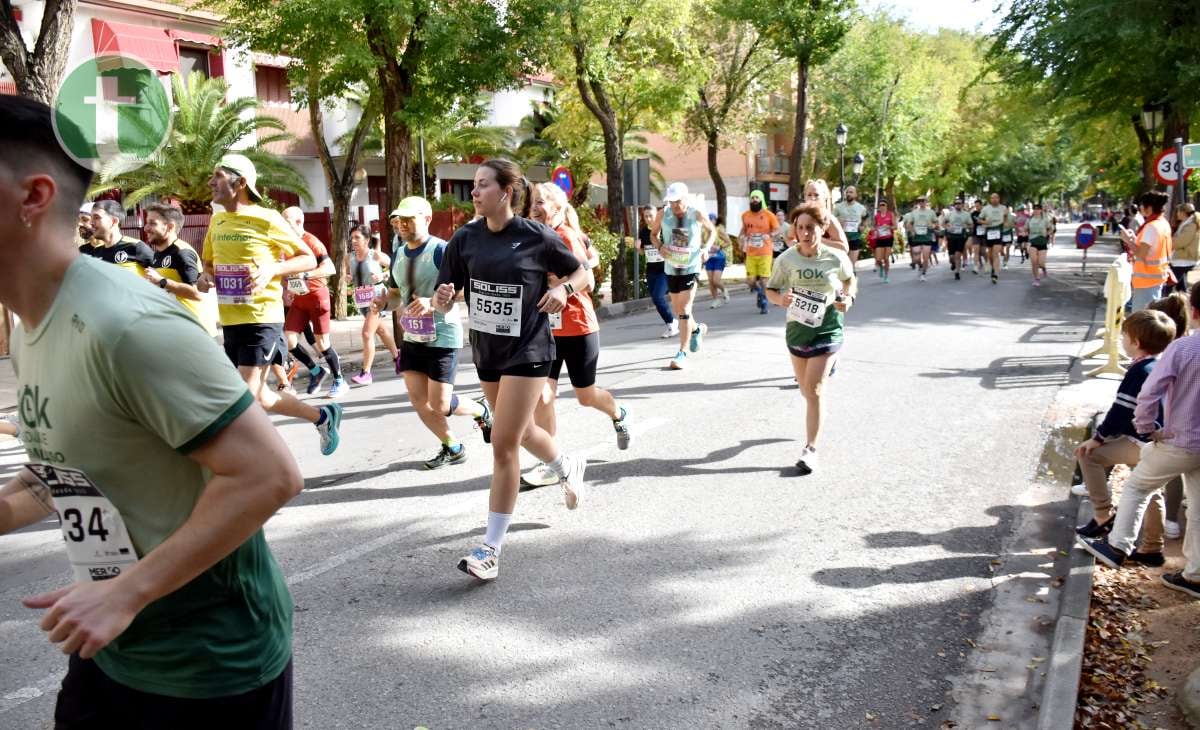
(1152, 117)
(857, 168)
(841, 133)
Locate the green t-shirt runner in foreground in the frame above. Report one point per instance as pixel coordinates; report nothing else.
(107, 370)
(147, 446)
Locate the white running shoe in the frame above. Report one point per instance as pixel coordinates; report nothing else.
(672, 330)
(808, 461)
(539, 476)
(1079, 490)
(482, 562)
(715, 303)
(572, 482)
(1171, 530)
(725, 294)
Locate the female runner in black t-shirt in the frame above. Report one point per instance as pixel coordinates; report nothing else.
(500, 262)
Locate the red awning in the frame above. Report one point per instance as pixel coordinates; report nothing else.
(151, 45)
(199, 39)
(8, 88)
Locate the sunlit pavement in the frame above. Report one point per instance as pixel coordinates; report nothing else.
(701, 583)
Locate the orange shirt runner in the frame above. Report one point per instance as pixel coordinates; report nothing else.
(757, 228)
(579, 317)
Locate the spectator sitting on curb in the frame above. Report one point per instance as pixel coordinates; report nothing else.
(1145, 334)
(1175, 306)
(1174, 450)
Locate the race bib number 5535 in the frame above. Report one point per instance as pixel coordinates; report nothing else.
(98, 545)
(496, 308)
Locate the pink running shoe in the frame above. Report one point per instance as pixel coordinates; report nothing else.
(362, 379)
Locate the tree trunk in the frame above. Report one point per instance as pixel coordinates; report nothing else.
(37, 74)
(1146, 147)
(339, 248)
(396, 84)
(890, 195)
(613, 153)
(397, 146)
(795, 163)
(719, 190)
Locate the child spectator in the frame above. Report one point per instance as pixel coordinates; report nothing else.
(1144, 335)
(1174, 450)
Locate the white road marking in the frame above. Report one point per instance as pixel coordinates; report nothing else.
(51, 682)
(44, 685)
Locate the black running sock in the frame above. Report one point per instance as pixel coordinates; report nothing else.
(302, 355)
(335, 363)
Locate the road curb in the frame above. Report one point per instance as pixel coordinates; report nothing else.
(1065, 667)
(1061, 693)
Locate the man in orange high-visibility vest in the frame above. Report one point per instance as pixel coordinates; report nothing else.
(1151, 250)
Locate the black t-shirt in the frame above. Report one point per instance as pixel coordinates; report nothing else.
(127, 252)
(652, 267)
(183, 261)
(503, 276)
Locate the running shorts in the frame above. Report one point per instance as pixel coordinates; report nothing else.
(523, 370)
(854, 241)
(436, 363)
(679, 283)
(581, 354)
(759, 266)
(1038, 242)
(884, 242)
(253, 345)
(1022, 239)
(957, 244)
(311, 309)
(715, 263)
(816, 348)
(90, 699)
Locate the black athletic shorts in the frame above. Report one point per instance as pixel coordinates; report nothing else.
(1038, 243)
(435, 363)
(581, 354)
(1022, 239)
(816, 348)
(524, 370)
(90, 699)
(957, 244)
(854, 241)
(885, 242)
(679, 283)
(254, 345)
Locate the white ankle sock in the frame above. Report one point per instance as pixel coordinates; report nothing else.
(497, 528)
(558, 466)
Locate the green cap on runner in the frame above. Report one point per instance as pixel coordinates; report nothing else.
(413, 206)
(758, 195)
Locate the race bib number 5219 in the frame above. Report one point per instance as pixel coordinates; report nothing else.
(98, 545)
(496, 308)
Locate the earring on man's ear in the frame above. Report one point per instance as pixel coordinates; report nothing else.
(27, 223)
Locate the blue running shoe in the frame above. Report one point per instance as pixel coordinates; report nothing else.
(698, 337)
(329, 428)
(338, 389)
(315, 377)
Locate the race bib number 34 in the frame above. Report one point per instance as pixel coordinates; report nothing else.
(496, 308)
(98, 545)
(808, 307)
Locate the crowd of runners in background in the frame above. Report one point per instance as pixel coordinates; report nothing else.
(143, 437)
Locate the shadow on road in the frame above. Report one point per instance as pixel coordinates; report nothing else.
(1005, 373)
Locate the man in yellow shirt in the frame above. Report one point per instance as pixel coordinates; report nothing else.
(248, 251)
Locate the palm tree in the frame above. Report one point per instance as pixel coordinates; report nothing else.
(206, 126)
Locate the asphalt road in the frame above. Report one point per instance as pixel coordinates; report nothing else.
(701, 583)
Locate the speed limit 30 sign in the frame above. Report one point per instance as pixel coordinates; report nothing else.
(1166, 167)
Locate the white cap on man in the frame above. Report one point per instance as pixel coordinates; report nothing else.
(676, 191)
